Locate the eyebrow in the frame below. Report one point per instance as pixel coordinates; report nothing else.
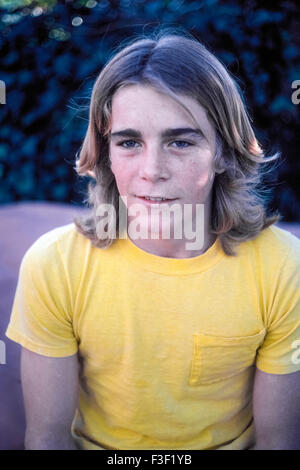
(166, 133)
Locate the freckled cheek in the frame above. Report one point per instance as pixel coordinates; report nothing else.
(202, 183)
(205, 180)
(200, 176)
(123, 178)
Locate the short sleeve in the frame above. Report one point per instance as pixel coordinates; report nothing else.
(280, 351)
(41, 317)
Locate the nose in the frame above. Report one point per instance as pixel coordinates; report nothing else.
(153, 166)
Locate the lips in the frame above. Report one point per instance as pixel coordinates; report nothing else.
(155, 199)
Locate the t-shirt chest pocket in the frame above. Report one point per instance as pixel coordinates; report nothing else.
(216, 357)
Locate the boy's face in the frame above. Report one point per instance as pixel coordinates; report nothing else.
(150, 160)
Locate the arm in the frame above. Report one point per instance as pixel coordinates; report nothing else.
(276, 410)
(50, 396)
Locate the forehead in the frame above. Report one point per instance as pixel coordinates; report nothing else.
(138, 105)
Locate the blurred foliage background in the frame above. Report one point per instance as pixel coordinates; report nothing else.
(51, 52)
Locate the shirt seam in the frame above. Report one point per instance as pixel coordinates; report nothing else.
(11, 331)
(153, 271)
(270, 327)
(68, 282)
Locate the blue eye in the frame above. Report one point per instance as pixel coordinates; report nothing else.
(121, 144)
(186, 144)
(130, 144)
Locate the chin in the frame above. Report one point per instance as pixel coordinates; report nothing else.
(155, 231)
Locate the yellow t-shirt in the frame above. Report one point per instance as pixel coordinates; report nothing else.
(168, 346)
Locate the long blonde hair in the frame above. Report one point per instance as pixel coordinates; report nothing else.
(176, 64)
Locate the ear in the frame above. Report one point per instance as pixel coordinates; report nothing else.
(221, 165)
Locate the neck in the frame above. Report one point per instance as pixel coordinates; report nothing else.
(174, 248)
(184, 247)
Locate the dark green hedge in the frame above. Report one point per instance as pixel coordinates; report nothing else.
(49, 65)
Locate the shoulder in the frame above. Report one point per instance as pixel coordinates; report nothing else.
(64, 253)
(55, 241)
(273, 259)
(275, 246)
(55, 253)
(282, 238)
